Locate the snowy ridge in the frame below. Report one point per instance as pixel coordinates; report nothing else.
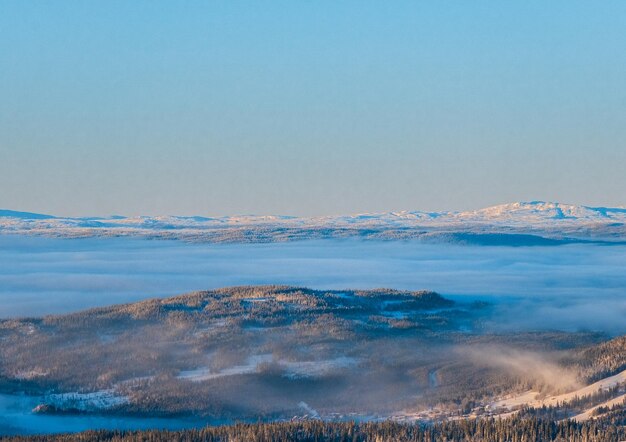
(545, 219)
(539, 211)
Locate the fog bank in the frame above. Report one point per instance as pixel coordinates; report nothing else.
(567, 286)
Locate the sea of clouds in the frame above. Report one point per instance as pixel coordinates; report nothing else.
(575, 286)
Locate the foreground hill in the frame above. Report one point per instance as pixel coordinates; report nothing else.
(534, 221)
(232, 353)
(280, 353)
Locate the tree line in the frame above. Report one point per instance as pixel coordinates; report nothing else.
(512, 429)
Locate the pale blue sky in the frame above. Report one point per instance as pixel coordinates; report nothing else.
(309, 108)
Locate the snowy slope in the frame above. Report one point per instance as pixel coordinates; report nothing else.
(530, 398)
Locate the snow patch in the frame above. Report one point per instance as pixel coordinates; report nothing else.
(205, 373)
(98, 400)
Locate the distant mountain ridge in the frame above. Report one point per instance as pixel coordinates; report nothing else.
(521, 211)
(23, 215)
(548, 210)
(544, 219)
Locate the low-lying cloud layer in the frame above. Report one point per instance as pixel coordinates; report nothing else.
(567, 287)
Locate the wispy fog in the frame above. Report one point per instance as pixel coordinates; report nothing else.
(568, 286)
(541, 368)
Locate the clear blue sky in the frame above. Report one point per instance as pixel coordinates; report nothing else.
(309, 107)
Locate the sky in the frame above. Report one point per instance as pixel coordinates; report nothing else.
(309, 108)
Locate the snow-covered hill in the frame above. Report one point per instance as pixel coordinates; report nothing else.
(544, 219)
(543, 212)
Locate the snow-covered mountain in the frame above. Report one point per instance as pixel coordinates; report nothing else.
(545, 219)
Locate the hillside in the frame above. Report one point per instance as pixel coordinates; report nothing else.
(275, 352)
